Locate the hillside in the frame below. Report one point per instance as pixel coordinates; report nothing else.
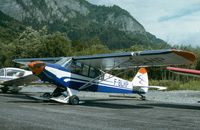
(9, 28)
(80, 20)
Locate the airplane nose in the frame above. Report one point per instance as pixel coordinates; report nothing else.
(36, 67)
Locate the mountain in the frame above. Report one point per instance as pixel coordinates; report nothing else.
(9, 28)
(81, 21)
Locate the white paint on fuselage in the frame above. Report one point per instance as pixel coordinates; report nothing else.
(58, 73)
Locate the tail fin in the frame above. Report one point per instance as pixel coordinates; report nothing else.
(141, 80)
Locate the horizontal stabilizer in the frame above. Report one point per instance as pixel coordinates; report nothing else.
(160, 88)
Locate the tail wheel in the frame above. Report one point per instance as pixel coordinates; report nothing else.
(143, 97)
(74, 100)
(4, 89)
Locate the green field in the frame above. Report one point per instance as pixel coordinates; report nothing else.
(177, 85)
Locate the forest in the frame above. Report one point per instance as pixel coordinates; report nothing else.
(32, 43)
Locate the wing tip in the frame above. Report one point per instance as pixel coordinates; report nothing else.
(187, 55)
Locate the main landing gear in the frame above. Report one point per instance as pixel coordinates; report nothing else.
(10, 89)
(65, 96)
(4, 89)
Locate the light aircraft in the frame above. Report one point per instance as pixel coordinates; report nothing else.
(183, 71)
(91, 73)
(12, 78)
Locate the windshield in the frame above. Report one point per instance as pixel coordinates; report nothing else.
(63, 61)
(15, 73)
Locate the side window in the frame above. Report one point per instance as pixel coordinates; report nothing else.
(82, 69)
(94, 72)
(2, 72)
(85, 70)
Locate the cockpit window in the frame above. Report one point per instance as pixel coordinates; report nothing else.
(16, 73)
(2, 72)
(94, 73)
(82, 69)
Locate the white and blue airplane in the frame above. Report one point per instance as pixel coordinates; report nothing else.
(91, 73)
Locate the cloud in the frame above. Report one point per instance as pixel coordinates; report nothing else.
(183, 12)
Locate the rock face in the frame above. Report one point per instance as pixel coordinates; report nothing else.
(51, 11)
(80, 20)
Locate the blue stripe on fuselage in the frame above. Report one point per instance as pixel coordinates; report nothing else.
(48, 76)
(98, 88)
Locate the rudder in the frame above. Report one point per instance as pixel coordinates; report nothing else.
(141, 80)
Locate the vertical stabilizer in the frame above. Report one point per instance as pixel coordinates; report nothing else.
(141, 80)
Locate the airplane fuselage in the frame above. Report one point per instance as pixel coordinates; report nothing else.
(102, 82)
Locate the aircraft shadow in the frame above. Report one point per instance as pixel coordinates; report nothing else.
(107, 99)
(178, 106)
(19, 96)
(26, 99)
(89, 103)
(103, 103)
(95, 103)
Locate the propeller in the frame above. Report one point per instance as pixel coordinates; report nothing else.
(36, 67)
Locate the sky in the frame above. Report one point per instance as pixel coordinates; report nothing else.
(175, 21)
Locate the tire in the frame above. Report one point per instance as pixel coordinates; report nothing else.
(74, 100)
(46, 95)
(4, 89)
(143, 98)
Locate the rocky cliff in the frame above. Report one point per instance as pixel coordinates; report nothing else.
(81, 20)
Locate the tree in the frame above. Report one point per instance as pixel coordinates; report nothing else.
(32, 43)
(93, 46)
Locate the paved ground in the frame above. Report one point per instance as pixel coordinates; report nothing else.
(18, 112)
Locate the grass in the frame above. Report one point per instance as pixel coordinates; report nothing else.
(177, 85)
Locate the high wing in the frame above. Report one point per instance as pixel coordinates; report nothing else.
(137, 59)
(183, 71)
(20, 81)
(125, 60)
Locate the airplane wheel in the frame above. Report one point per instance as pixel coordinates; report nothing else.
(74, 100)
(46, 95)
(4, 89)
(143, 98)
